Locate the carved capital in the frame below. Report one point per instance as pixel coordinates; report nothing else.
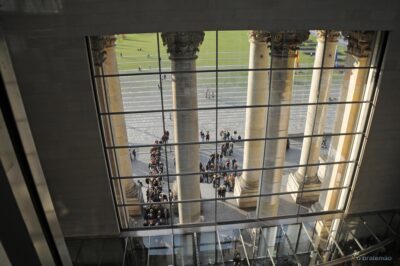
(259, 36)
(330, 35)
(286, 43)
(99, 46)
(359, 42)
(109, 40)
(182, 45)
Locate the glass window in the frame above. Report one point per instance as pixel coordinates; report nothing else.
(217, 127)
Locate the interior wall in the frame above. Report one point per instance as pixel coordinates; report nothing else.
(50, 59)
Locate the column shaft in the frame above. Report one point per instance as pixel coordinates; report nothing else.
(110, 99)
(278, 124)
(182, 48)
(306, 177)
(186, 129)
(257, 94)
(283, 51)
(359, 50)
(341, 146)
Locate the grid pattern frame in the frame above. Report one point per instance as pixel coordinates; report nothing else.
(164, 111)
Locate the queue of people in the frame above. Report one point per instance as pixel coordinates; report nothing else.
(216, 163)
(157, 212)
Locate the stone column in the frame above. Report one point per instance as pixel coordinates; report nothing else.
(358, 55)
(110, 99)
(182, 48)
(306, 177)
(257, 94)
(284, 46)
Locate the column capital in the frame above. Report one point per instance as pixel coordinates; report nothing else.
(259, 36)
(286, 43)
(359, 42)
(182, 45)
(329, 35)
(99, 44)
(109, 40)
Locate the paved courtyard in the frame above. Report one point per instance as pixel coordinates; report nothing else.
(141, 93)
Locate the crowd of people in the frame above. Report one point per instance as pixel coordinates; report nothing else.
(224, 134)
(221, 172)
(227, 136)
(157, 212)
(227, 148)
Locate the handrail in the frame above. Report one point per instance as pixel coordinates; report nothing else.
(244, 247)
(269, 253)
(196, 249)
(220, 248)
(290, 246)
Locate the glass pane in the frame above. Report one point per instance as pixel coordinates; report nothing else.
(90, 252)
(232, 88)
(193, 212)
(231, 125)
(277, 205)
(206, 55)
(285, 247)
(208, 247)
(301, 86)
(232, 247)
(292, 49)
(268, 244)
(113, 251)
(159, 249)
(184, 250)
(343, 123)
(233, 49)
(143, 128)
(228, 209)
(207, 52)
(141, 93)
(206, 90)
(150, 214)
(186, 133)
(304, 245)
(137, 53)
(306, 53)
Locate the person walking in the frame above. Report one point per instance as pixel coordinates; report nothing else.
(237, 259)
(202, 136)
(208, 136)
(230, 148)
